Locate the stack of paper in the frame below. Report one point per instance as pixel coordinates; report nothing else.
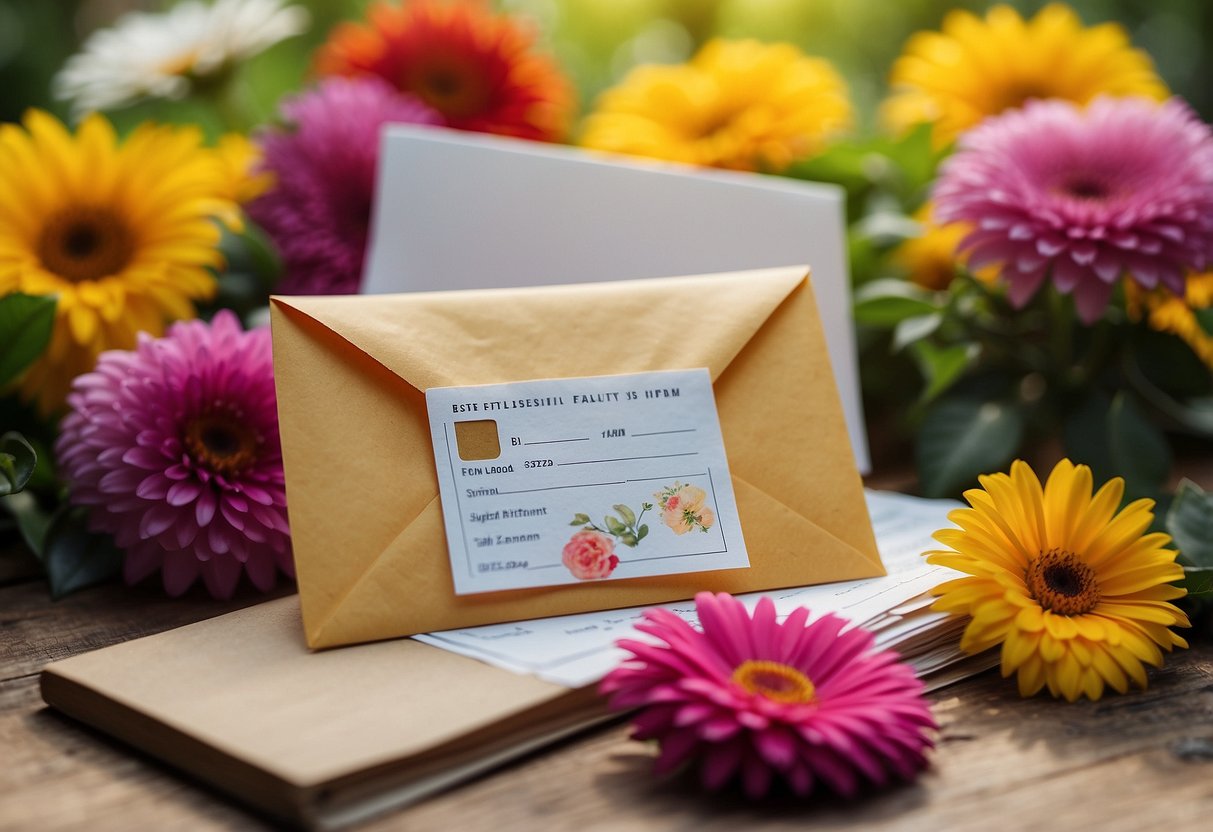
(578, 650)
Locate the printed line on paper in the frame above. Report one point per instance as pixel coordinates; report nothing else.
(628, 458)
(559, 487)
(666, 432)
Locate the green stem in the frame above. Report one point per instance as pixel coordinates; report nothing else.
(1061, 335)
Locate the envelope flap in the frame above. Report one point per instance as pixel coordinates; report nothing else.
(441, 339)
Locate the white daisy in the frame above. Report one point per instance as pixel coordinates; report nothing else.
(162, 55)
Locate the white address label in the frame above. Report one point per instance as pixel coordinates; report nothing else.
(583, 480)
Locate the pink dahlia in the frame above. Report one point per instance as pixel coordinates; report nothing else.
(807, 703)
(1084, 196)
(319, 211)
(174, 449)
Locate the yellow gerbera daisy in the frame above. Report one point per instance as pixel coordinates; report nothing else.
(930, 259)
(1076, 593)
(1167, 312)
(743, 105)
(975, 68)
(122, 234)
(246, 180)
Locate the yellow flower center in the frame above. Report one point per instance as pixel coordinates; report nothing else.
(775, 681)
(1062, 583)
(84, 242)
(221, 443)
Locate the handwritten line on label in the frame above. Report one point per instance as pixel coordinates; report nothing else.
(555, 441)
(671, 477)
(628, 458)
(559, 487)
(664, 432)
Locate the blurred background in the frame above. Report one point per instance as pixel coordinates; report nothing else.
(599, 40)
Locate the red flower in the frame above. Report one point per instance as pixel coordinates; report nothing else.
(478, 69)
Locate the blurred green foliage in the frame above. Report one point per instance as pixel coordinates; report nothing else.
(598, 40)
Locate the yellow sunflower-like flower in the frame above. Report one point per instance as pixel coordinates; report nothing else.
(975, 68)
(930, 259)
(121, 233)
(743, 105)
(1166, 312)
(1076, 593)
(246, 180)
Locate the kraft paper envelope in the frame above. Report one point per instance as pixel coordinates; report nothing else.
(362, 489)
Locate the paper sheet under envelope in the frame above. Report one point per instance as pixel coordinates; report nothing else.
(577, 650)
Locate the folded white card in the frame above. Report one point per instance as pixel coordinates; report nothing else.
(467, 211)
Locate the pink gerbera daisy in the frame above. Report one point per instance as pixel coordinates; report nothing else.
(319, 211)
(1124, 187)
(174, 449)
(807, 703)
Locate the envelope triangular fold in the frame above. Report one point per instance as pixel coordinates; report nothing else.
(528, 333)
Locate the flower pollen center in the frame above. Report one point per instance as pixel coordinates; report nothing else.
(1085, 187)
(221, 443)
(451, 89)
(1062, 583)
(775, 681)
(82, 243)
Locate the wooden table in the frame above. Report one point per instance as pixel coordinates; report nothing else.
(1129, 763)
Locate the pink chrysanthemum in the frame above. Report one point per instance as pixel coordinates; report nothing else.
(755, 699)
(1084, 196)
(174, 449)
(319, 211)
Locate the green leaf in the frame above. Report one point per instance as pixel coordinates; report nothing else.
(32, 521)
(942, 366)
(887, 302)
(580, 520)
(17, 461)
(642, 532)
(961, 438)
(26, 323)
(1190, 523)
(627, 515)
(76, 558)
(1139, 450)
(614, 526)
(629, 539)
(1198, 580)
(915, 329)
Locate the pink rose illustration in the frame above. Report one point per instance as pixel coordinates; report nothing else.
(590, 555)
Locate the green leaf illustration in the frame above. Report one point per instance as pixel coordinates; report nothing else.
(629, 518)
(580, 520)
(629, 539)
(614, 526)
(642, 532)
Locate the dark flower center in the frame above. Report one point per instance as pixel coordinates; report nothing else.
(222, 443)
(1085, 187)
(1062, 583)
(776, 681)
(82, 243)
(451, 89)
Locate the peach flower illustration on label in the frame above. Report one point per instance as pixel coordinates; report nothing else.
(683, 509)
(590, 553)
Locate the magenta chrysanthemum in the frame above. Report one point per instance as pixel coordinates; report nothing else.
(750, 698)
(319, 211)
(174, 449)
(1124, 187)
